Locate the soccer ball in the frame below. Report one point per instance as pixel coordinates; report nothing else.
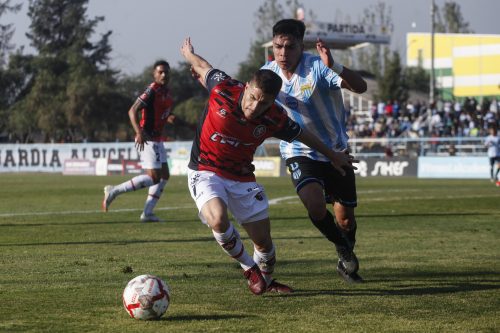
(146, 297)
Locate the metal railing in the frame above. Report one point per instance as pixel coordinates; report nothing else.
(408, 147)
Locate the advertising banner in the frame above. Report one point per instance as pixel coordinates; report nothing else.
(47, 157)
(454, 167)
(386, 167)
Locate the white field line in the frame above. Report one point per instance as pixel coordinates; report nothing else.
(292, 199)
(67, 212)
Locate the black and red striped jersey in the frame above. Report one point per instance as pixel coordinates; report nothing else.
(157, 106)
(225, 140)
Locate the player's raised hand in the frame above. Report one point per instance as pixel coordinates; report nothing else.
(324, 53)
(187, 48)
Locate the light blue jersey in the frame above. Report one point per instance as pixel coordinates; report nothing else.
(313, 98)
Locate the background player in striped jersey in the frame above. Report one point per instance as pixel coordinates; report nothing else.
(312, 97)
(149, 115)
(237, 119)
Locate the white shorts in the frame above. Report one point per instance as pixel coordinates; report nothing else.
(153, 155)
(247, 201)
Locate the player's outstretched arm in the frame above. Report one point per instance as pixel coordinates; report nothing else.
(339, 160)
(199, 66)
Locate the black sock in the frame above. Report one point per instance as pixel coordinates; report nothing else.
(329, 229)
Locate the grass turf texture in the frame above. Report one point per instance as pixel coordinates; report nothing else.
(429, 251)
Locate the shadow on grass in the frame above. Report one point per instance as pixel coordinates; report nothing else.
(140, 241)
(127, 221)
(304, 217)
(204, 317)
(114, 242)
(404, 291)
(414, 284)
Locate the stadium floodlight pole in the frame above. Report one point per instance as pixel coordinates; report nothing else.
(432, 78)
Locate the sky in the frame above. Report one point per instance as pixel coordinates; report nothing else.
(223, 30)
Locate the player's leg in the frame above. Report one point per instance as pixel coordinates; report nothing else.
(348, 264)
(149, 160)
(306, 177)
(343, 189)
(155, 158)
(154, 193)
(248, 203)
(492, 169)
(134, 184)
(209, 193)
(497, 172)
(265, 253)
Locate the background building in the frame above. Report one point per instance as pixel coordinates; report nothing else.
(464, 64)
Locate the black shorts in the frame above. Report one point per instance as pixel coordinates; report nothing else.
(494, 160)
(342, 189)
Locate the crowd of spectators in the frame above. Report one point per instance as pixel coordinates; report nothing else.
(466, 118)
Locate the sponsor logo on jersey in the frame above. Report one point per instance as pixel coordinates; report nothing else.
(305, 87)
(295, 170)
(223, 139)
(259, 131)
(222, 113)
(220, 76)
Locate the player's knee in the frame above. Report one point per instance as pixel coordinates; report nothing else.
(217, 222)
(346, 222)
(156, 179)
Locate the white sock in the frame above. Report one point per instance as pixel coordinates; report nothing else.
(231, 243)
(266, 261)
(154, 194)
(134, 184)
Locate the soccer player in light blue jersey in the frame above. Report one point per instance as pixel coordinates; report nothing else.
(312, 97)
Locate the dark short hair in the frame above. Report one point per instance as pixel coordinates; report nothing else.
(268, 81)
(292, 27)
(161, 63)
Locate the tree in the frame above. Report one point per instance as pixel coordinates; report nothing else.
(417, 78)
(6, 31)
(183, 85)
(71, 89)
(370, 58)
(391, 83)
(450, 20)
(11, 72)
(266, 16)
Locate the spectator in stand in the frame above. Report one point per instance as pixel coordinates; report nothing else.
(457, 107)
(494, 106)
(396, 108)
(380, 109)
(388, 109)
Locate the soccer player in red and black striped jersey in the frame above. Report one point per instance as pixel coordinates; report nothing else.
(237, 119)
(149, 115)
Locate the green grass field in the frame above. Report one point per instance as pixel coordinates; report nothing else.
(429, 251)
